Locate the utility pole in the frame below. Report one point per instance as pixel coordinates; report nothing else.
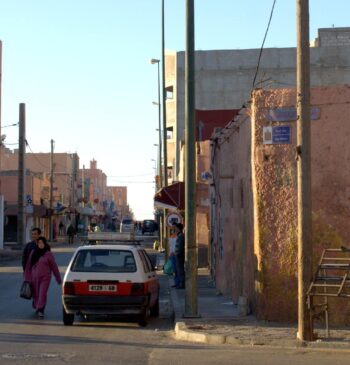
(191, 305)
(21, 218)
(1, 140)
(165, 143)
(74, 185)
(304, 169)
(51, 190)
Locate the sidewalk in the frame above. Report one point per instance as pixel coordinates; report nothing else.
(13, 251)
(220, 323)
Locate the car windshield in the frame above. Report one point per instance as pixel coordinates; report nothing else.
(127, 221)
(104, 260)
(148, 223)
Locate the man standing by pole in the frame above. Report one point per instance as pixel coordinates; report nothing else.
(190, 168)
(304, 169)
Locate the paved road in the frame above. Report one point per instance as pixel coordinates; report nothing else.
(25, 339)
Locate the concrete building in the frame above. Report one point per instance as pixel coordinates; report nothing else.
(224, 78)
(36, 210)
(254, 195)
(65, 169)
(119, 196)
(93, 187)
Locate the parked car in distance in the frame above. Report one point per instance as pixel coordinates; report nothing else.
(149, 226)
(110, 279)
(127, 225)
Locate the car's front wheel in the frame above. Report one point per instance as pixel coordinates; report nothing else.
(68, 318)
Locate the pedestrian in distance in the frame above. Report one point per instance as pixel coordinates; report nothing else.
(71, 233)
(172, 259)
(61, 228)
(40, 266)
(180, 255)
(36, 232)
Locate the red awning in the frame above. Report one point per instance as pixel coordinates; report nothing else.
(171, 197)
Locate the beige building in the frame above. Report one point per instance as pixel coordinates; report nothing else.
(224, 78)
(93, 187)
(65, 169)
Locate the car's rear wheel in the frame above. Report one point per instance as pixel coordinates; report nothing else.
(155, 309)
(143, 318)
(68, 318)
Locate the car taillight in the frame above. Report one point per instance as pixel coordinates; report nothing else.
(138, 289)
(68, 288)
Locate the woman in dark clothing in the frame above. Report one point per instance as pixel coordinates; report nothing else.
(41, 264)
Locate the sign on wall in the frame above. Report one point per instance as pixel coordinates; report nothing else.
(277, 135)
(290, 114)
(173, 218)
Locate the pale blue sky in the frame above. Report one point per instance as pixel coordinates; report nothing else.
(82, 68)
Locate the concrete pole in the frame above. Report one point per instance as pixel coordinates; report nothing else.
(1, 222)
(191, 305)
(1, 197)
(21, 218)
(51, 191)
(160, 172)
(304, 169)
(165, 143)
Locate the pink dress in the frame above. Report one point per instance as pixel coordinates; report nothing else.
(40, 276)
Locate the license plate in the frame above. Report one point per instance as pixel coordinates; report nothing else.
(100, 287)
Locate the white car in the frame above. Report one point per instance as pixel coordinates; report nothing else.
(110, 279)
(127, 225)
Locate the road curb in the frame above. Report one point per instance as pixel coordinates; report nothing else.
(183, 333)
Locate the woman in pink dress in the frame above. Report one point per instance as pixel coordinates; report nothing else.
(40, 265)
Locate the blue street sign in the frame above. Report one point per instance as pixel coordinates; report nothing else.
(281, 135)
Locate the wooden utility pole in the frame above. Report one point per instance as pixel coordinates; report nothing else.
(165, 143)
(51, 190)
(191, 305)
(304, 169)
(21, 218)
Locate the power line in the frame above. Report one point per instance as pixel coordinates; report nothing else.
(263, 43)
(10, 125)
(35, 157)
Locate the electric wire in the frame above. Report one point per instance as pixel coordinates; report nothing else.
(35, 157)
(10, 125)
(263, 43)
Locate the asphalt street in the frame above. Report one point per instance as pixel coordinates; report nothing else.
(25, 339)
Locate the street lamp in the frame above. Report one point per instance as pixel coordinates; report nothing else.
(156, 61)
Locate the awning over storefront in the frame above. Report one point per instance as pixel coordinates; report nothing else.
(171, 197)
(35, 210)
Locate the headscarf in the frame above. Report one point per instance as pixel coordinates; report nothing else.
(39, 252)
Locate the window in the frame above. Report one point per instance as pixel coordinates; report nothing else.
(169, 133)
(104, 261)
(169, 92)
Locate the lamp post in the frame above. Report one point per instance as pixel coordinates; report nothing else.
(156, 61)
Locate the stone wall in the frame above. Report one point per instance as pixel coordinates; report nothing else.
(275, 196)
(232, 221)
